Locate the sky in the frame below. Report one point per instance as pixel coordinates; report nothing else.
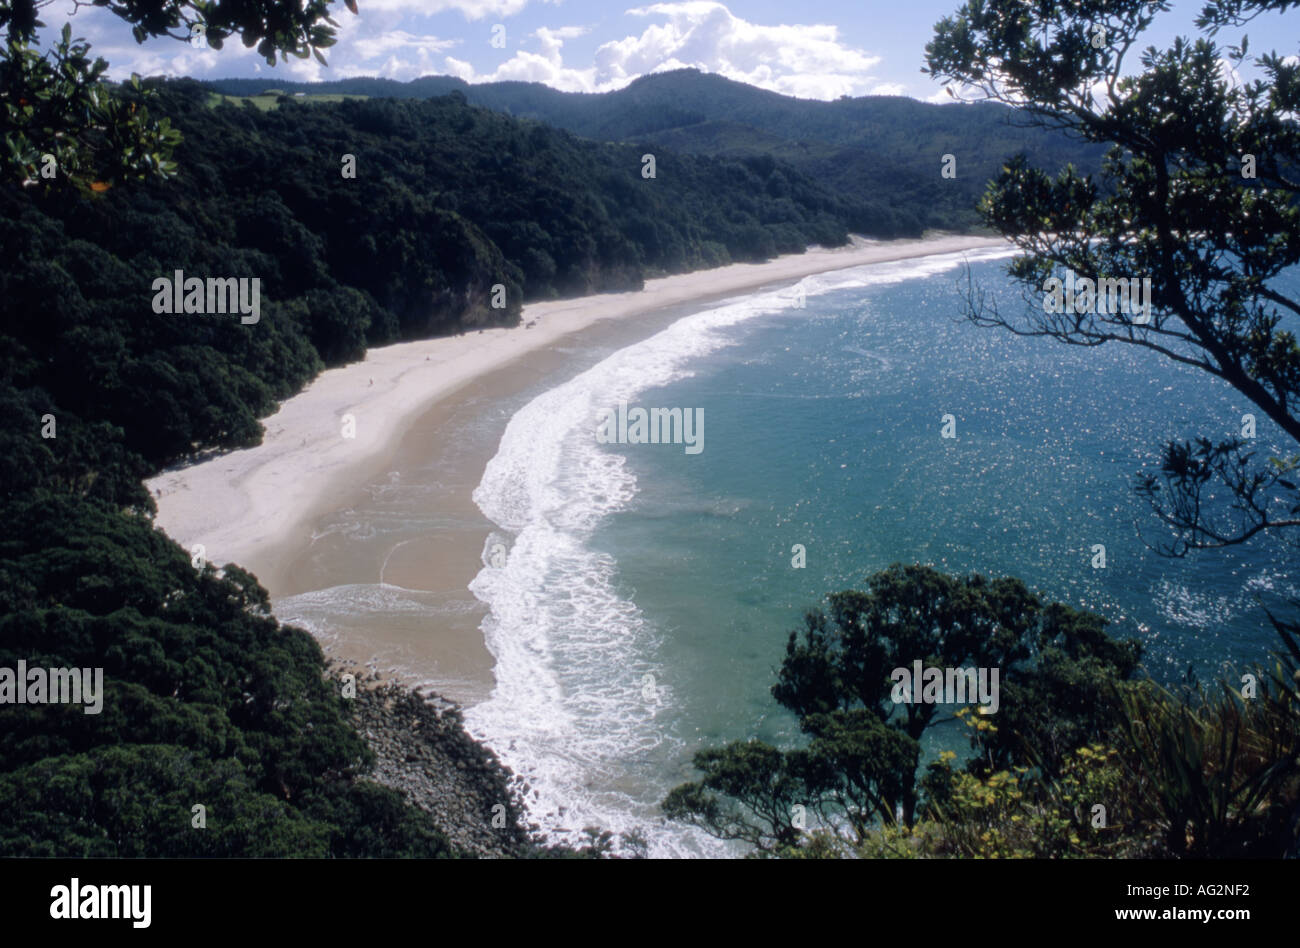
(819, 49)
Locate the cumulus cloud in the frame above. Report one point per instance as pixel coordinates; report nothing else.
(809, 61)
(545, 65)
(392, 39)
(804, 60)
(393, 54)
(1228, 74)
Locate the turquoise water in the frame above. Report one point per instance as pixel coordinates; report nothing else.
(649, 592)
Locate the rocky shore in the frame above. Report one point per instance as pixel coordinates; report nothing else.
(423, 751)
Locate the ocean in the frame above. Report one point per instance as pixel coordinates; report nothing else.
(640, 596)
(636, 598)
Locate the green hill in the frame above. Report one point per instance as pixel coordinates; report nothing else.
(884, 149)
(207, 700)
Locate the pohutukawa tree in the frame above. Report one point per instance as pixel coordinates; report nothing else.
(63, 124)
(858, 767)
(1199, 193)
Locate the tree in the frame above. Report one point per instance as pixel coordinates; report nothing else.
(858, 768)
(1198, 194)
(206, 699)
(63, 123)
(750, 792)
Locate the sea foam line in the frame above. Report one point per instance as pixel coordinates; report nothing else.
(568, 712)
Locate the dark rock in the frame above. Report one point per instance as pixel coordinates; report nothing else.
(422, 750)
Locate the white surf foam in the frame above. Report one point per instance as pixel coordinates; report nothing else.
(569, 711)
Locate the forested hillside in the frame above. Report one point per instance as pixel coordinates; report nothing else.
(207, 700)
(448, 201)
(881, 149)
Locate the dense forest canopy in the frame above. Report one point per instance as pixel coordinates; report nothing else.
(886, 150)
(448, 201)
(207, 699)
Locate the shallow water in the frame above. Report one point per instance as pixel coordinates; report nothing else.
(648, 591)
(635, 598)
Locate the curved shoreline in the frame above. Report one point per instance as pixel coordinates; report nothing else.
(254, 506)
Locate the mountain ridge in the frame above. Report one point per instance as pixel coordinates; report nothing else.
(891, 147)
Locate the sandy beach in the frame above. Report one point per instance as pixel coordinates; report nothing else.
(259, 507)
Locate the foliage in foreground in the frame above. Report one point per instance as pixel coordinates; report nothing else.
(1123, 768)
(1199, 195)
(207, 701)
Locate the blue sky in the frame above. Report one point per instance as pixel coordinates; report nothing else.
(813, 49)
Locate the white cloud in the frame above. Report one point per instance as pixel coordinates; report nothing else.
(564, 32)
(1229, 74)
(546, 66)
(552, 40)
(809, 61)
(458, 68)
(804, 60)
(390, 39)
(398, 40)
(470, 9)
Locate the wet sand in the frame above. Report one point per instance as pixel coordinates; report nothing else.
(299, 510)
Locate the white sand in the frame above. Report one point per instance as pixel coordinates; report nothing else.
(239, 505)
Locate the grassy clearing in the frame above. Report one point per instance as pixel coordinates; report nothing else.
(271, 97)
